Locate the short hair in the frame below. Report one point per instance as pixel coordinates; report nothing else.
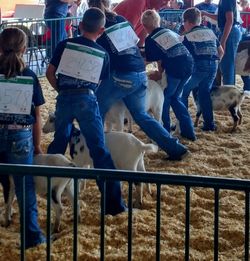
(93, 19)
(151, 18)
(192, 15)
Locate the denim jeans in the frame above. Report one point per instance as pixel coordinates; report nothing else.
(57, 32)
(84, 108)
(227, 64)
(172, 98)
(17, 148)
(202, 80)
(246, 81)
(131, 87)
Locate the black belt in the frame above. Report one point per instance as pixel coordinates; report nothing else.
(77, 91)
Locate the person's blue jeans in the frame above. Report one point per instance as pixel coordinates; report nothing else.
(131, 87)
(58, 33)
(172, 99)
(246, 81)
(17, 148)
(84, 108)
(227, 64)
(202, 80)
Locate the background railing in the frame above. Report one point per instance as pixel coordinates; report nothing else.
(40, 48)
(188, 182)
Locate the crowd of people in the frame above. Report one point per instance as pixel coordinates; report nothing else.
(113, 69)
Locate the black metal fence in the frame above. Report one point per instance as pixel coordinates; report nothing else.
(188, 182)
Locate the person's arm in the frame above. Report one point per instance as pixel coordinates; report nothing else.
(212, 16)
(220, 52)
(51, 76)
(227, 29)
(37, 130)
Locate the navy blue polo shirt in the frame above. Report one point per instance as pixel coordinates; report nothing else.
(202, 48)
(210, 8)
(177, 61)
(66, 82)
(129, 60)
(55, 9)
(225, 6)
(37, 100)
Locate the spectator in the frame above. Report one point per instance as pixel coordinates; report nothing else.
(230, 35)
(77, 9)
(132, 10)
(172, 19)
(57, 10)
(245, 7)
(211, 8)
(20, 134)
(77, 100)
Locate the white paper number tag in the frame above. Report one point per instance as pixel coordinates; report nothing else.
(122, 36)
(201, 35)
(16, 95)
(81, 62)
(166, 38)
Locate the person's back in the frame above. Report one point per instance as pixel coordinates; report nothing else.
(206, 50)
(20, 125)
(132, 11)
(131, 57)
(129, 84)
(207, 6)
(81, 64)
(165, 45)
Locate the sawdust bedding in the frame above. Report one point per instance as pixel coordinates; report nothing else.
(218, 154)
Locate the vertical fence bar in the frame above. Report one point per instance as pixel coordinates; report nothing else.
(130, 198)
(247, 226)
(22, 218)
(158, 222)
(187, 225)
(48, 249)
(76, 215)
(216, 223)
(103, 208)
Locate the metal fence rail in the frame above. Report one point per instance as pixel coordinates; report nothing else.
(40, 44)
(188, 182)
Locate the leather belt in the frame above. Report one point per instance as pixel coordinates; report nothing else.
(77, 91)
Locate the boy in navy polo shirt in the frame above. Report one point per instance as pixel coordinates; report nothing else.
(81, 63)
(165, 45)
(128, 80)
(206, 50)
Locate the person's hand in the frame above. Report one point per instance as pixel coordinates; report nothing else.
(223, 44)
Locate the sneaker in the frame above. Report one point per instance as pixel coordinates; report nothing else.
(247, 93)
(211, 128)
(179, 157)
(192, 137)
(35, 243)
